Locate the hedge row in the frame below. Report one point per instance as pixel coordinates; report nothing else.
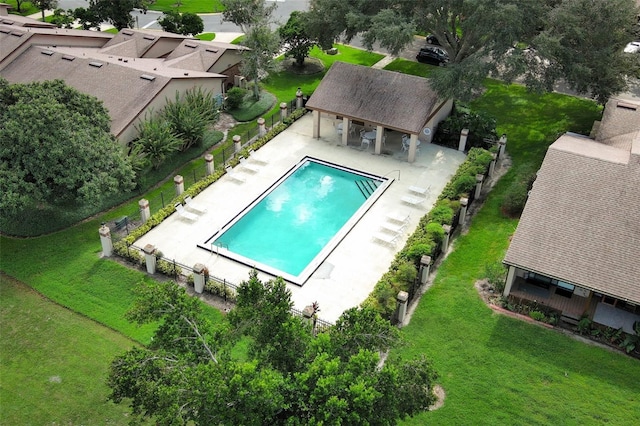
(428, 236)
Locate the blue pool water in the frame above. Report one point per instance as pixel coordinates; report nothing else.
(290, 225)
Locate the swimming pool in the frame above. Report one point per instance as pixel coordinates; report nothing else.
(294, 225)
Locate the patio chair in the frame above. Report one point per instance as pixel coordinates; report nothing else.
(185, 214)
(394, 228)
(401, 217)
(234, 175)
(248, 166)
(420, 190)
(366, 143)
(189, 204)
(414, 201)
(256, 158)
(389, 239)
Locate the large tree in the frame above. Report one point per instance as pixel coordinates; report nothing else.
(295, 38)
(582, 44)
(479, 35)
(254, 18)
(181, 23)
(45, 5)
(287, 376)
(56, 149)
(117, 12)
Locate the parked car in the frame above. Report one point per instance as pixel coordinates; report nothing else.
(433, 56)
(633, 47)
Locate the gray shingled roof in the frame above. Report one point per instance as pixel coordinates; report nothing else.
(396, 101)
(136, 43)
(199, 55)
(581, 223)
(620, 122)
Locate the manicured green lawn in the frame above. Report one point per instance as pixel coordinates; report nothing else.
(25, 9)
(206, 36)
(54, 363)
(494, 369)
(193, 6)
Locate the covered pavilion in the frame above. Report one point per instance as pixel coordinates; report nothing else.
(380, 99)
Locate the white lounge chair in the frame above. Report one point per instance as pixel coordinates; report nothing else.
(390, 239)
(420, 190)
(256, 158)
(414, 201)
(401, 217)
(244, 163)
(365, 143)
(395, 228)
(189, 204)
(185, 214)
(234, 175)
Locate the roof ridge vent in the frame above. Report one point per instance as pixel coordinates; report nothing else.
(127, 32)
(149, 37)
(96, 64)
(47, 52)
(68, 57)
(191, 45)
(147, 77)
(211, 49)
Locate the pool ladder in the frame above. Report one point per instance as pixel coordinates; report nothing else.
(367, 186)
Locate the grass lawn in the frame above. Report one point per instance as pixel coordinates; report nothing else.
(53, 362)
(193, 6)
(494, 369)
(206, 36)
(26, 8)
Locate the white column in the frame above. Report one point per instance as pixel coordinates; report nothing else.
(208, 160)
(425, 268)
(413, 145)
(237, 143)
(178, 182)
(379, 135)
(262, 129)
(150, 258)
(198, 277)
(316, 124)
(105, 240)
(445, 240)
(503, 145)
(283, 111)
(462, 145)
(492, 165)
(479, 179)
(464, 202)
(145, 212)
(299, 98)
(345, 130)
(402, 298)
(511, 276)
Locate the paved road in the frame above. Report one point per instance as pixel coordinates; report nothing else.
(212, 21)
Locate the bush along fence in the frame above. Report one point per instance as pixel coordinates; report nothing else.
(411, 266)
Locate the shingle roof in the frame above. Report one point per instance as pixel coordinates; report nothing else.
(136, 43)
(397, 101)
(581, 223)
(620, 122)
(199, 55)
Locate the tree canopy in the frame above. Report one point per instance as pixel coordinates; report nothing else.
(117, 12)
(480, 36)
(295, 38)
(192, 371)
(254, 18)
(181, 23)
(56, 149)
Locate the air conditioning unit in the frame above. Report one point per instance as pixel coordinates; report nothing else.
(239, 81)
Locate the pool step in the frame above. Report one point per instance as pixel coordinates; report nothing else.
(367, 186)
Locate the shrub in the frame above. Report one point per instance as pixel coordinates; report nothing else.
(220, 290)
(435, 232)
(464, 184)
(496, 274)
(168, 268)
(584, 325)
(516, 195)
(415, 252)
(235, 96)
(442, 214)
(537, 315)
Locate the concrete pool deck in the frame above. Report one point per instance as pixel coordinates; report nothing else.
(349, 273)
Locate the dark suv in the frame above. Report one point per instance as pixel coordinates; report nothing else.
(433, 56)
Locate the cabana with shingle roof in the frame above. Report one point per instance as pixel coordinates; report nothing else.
(386, 99)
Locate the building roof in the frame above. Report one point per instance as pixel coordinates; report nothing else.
(20, 21)
(128, 92)
(581, 223)
(199, 55)
(136, 43)
(394, 100)
(620, 123)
